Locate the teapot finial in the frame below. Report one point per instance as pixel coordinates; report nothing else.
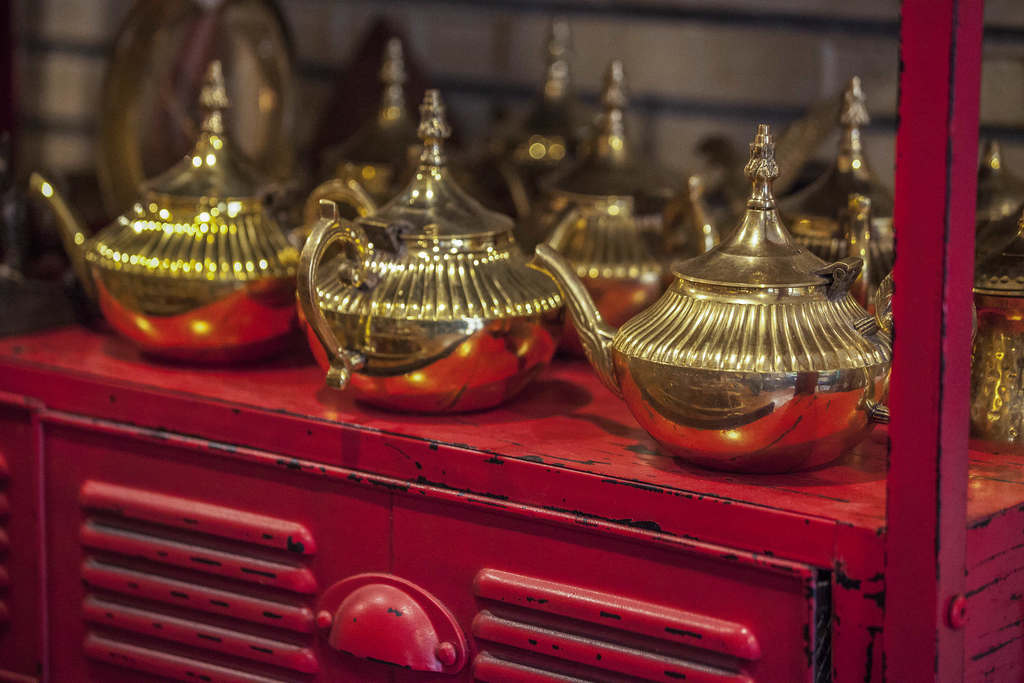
(393, 77)
(434, 129)
(610, 142)
(213, 98)
(762, 169)
(854, 112)
(852, 115)
(992, 158)
(559, 47)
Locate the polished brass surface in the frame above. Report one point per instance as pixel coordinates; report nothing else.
(603, 243)
(377, 155)
(756, 359)
(687, 227)
(548, 137)
(997, 383)
(1000, 191)
(147, 119)
(607, 168)
(431, 306)
(815, 214)
(856, 224)
(196, 269)
(1000, 201)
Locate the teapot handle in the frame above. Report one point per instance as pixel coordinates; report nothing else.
(344, 190)
(328, 229)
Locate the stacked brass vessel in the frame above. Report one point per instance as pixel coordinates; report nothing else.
(1000, 201)
(816, 214)
(432, 307)
(197, 268)
(376, 159)
(548, 138)
(756, 359)
(997, 384)
(607, 169)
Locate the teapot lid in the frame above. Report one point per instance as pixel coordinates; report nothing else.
(387, 137)
(1002, 272)
(1000, 192)
(607, 165)
(214, 169)
(760, 251)
(433, 205)
(850, 174)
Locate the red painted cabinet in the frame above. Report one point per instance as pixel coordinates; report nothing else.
(22, 567)
(242, 525)
(178, 564)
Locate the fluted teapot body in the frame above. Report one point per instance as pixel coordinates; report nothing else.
(197, 268)
(756, 359)
(431, 307)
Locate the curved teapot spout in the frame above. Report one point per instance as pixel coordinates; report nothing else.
(72, 234)
(595, 334)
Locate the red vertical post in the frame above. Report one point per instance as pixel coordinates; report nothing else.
(936, 158)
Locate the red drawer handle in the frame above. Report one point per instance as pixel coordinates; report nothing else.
(383, 618)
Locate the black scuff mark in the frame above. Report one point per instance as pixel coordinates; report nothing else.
(295, 546)
(494, 460)
(675, 674)
(387, 663)
(436, 484)
(203, 560)
(396, 612)
(272, 615)
(264, 650)
(995, 648)
(610, 615)
(208, 637)
(391, 486)
(258, 572)
(844, 580)
(179, 594)
(877, 598)
(683, 633)
(869, 653)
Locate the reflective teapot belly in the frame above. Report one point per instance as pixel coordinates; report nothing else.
(441, 367)
(617, 300)
(196, 320)
(997, 371)
(750, 422)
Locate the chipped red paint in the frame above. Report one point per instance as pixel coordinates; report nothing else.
(593, 515)
(936, 159)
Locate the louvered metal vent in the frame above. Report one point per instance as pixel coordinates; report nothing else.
(5, 510)
(193, 591)
(535, 630)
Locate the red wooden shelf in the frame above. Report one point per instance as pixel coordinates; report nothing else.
(566, 424)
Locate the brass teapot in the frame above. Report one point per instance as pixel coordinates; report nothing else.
(607, 168)
(431, 307)
(997, 383)
(605, 247)
(548, 137)
(816, 213)
(377, 155)
(756, 359)
(196, 269)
